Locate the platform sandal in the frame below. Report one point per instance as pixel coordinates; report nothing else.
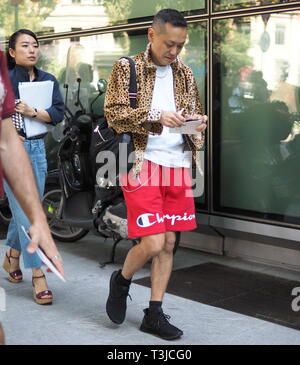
(38, 297)
(15, 276)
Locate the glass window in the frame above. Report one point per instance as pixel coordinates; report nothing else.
(279, 34)
(63, 15)
(91, 58)
(257, 116)
(118, 10)
(195, 56)
(235, 4)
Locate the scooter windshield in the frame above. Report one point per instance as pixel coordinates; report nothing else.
(80, 79)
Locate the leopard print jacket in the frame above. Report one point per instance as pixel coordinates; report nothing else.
(143, 120)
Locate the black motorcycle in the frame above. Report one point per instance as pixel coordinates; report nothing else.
(79, 205)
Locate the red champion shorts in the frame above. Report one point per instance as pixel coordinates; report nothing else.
(159, 200)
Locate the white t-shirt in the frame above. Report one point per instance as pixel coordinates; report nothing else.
(165, 149)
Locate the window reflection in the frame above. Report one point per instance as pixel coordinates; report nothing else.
(257, 59)
(65, 15)
(234, 4)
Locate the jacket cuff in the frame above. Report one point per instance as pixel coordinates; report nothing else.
(55, 116)
(154, 115)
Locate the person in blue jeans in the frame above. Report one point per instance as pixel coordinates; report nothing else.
(22, 58)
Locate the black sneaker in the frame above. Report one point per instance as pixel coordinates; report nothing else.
(157, 323)
(116, 301)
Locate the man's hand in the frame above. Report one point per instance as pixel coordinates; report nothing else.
(202, 118)
(19, 175)
(171, 119)
(41, 236)
(24, 109)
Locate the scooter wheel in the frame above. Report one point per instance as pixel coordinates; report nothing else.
(61, 231)
(5, 212)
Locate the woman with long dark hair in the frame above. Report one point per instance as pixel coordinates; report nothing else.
(23, 52)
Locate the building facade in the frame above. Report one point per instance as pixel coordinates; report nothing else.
(246, 59)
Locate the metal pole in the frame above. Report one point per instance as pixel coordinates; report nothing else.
(16, 17)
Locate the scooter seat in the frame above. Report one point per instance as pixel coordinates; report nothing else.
(78, 210)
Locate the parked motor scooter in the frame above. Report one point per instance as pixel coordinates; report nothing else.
(74, 208)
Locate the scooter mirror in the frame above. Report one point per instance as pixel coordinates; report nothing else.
(102, 85)
(84, 119)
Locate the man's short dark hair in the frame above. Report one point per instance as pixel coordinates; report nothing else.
(170, 16)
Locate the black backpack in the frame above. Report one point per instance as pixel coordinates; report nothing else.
(104, 142)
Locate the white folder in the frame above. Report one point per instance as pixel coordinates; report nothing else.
(37, 94)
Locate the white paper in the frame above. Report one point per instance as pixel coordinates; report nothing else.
(45, 259)
(187, 128)
(48, 263)
(37, 94)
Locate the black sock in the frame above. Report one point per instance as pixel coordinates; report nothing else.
(121, 280)
(155, 305)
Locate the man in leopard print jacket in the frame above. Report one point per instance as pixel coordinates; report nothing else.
(157, 190)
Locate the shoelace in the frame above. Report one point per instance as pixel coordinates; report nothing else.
(127, 295)
(166, 317)
(162, 319)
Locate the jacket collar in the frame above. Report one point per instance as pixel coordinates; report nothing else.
(177, 64)
(22, 74)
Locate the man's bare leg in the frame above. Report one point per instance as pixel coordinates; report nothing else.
(161, 269)
(138, 255)
(155, 321)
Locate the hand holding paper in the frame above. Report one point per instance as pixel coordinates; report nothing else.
(45, 258)
(47, 262)
(193, 125)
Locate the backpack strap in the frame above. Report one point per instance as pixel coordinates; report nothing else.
(132, 82)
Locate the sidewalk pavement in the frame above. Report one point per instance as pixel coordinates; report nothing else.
(78, 317)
